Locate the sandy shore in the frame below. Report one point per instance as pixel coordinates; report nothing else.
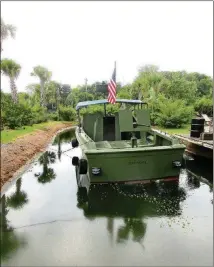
(16, 154)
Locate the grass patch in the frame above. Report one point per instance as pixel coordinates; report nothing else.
(184, 130)
(10, 135)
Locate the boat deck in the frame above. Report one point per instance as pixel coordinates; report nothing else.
(118, 144)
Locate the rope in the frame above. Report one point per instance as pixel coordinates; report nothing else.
(35, 224)
(69, 148)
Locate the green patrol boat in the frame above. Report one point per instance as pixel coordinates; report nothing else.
(122, 147)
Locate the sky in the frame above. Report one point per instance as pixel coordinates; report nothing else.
(78, 40)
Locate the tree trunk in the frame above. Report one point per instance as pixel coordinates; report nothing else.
(13, 90)
(18, 186)
(42, 93)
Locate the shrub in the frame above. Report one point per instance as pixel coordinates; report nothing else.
(39, 114)
(16, 115)
(67, 113)
(92, 109)
(173, 114)
(204, 105)
(53, 116)
(112, 108)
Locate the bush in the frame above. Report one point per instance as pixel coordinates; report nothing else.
(39, 114)
(204, 105)
(92, 109)
(16, 115)
(112, 108)
(67, 113)
(53, 116)
(173, 114)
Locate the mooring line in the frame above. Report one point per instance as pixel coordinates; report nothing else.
(35, 224)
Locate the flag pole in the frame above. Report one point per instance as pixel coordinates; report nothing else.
(115, 65)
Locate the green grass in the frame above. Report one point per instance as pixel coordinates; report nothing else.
(10, 135)
(184, 130)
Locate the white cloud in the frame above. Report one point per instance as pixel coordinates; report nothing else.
(82, 39)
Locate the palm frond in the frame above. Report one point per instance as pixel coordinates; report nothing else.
(10, 68)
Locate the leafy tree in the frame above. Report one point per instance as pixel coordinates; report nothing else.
(78, 95)
(16, 115)
(148, 77)
(204, 86)
(65, 90)
(39, 114)
(204, 83)
(24, 98)
(67, 113)
(179, 88)
(44, 76)
(52, 90)
(173, 113)
(6, 31)
(11, 69)
(125, 92)
(33, 90)
(204, 105)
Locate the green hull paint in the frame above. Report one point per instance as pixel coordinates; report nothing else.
(129, 164)
(134, 166)
(122, 147)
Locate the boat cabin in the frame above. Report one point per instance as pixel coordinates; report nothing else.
(133, 117)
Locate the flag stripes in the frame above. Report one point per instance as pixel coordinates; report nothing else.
(112, 88)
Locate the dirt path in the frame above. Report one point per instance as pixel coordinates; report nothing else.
(14, 155)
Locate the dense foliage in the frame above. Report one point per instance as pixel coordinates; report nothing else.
(173, 98)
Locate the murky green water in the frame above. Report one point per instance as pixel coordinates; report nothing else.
(46, 222)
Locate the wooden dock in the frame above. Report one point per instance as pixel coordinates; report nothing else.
(196, 146)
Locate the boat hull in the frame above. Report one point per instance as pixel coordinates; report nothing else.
(109, 164)
(133, 166)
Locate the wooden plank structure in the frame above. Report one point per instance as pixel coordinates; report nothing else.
(200, 140)
(196, 146)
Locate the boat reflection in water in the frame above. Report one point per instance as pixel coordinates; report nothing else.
(132, 204)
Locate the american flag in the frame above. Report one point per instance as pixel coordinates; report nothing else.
(112, 87)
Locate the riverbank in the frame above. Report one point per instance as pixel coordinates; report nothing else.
(16, 154)
(9, 135)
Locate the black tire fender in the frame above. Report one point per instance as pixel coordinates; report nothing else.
(74, 143)
(83, 166)
(75, 161)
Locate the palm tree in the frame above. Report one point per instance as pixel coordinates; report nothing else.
(19, 198)
(11, 69)
(6, 31)
(48, 174)
(44, 76)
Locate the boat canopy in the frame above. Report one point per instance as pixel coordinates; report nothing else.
(105, 101)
